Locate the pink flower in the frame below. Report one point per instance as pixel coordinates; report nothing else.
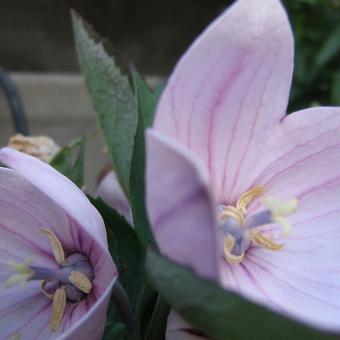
(110, 191)
(237, 191)
(55, 268)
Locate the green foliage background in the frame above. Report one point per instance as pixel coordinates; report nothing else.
(316, 26)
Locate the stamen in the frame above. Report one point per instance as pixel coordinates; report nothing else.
(56, 246)
(43, 289)
(81, 281)
(249, 197)
(58, 308)
(232, 212)
(264, 241)
(229, 243)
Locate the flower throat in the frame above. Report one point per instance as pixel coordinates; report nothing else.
(69, 283)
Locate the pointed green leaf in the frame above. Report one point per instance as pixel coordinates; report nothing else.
(147, 101)
(111, 91)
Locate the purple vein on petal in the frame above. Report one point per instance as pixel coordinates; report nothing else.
(292, 166)
(288, 153)
(2, 311)
(258, 286)
(287, 284)
(317, 188)
(237, 70)
(234, 129)
(254, 123)
(45, 306)
(255, 259)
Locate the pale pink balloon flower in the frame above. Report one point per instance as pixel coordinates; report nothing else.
(237, 190)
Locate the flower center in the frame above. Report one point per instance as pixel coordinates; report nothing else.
(70, 282)
(240, 231)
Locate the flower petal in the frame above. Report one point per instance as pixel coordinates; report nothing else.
(178, 329)
(229, 89)
(302, 155)
(85, 320)
(180, 206)
(302, 279)
(110, 191)
(25, 320)
(60, 189)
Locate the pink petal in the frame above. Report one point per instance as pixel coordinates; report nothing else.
(302, 155)
(229, 90)
(110, 191)
(59, 188)
(301, 280)
(91, 321)
(179, 329)
(27, 319)
(180, 206)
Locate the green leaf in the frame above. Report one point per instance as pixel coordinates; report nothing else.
(64, 161)
(329, 49)
(147, 101)
(158, 322)
(111, 91)
(219, 313)
(129, 257)
(124, 248)
(114, 328)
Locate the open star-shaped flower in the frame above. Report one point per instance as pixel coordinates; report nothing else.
(56, 273)
(238, 191)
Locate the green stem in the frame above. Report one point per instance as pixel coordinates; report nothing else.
(157, 325)
(123, 306)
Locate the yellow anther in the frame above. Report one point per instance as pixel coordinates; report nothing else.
(58, 308)
(232, 212)
(228, 246)
(22, 271)
(56, 246)
(264, 241)
(249, 197)
(81, 281)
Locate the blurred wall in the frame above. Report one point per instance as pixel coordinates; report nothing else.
(36, 35)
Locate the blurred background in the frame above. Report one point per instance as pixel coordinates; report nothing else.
(36, 46)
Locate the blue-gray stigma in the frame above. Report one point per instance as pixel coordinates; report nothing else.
(240, 231)
(70, 282)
